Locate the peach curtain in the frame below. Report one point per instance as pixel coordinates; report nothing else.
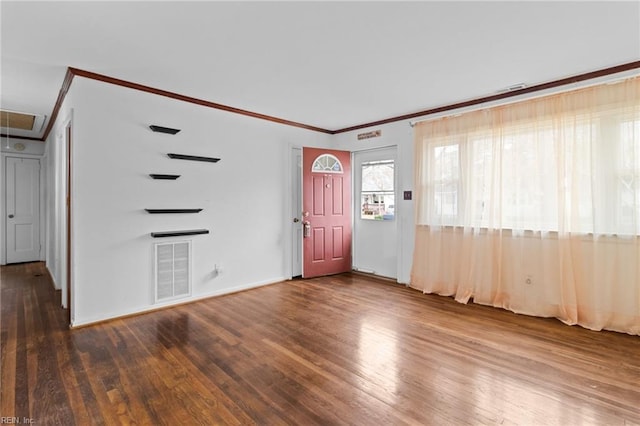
(535, 207)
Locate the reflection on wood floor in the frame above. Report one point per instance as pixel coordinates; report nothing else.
(344, 349)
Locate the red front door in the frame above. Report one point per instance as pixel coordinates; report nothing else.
(326, 216)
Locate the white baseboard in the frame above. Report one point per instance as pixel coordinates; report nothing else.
(159, 306)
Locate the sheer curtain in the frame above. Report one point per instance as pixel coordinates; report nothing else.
(535, 207)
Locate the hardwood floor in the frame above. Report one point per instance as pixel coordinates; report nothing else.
(337, 350)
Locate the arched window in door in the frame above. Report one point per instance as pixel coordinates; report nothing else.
(326, 163)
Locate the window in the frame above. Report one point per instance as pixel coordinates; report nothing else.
(569, 163)
(628, 177)
(446, 169)
(549, 187)
(327, 163)
(378, 190)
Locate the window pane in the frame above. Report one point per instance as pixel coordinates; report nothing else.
(533, 166)
(628, 179)
(378, 196)
(446, 176)
(326, 163)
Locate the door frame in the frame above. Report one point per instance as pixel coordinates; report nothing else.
(328, 225)
(289, 246)
(68, 203)
(3, 195)
(295, 248)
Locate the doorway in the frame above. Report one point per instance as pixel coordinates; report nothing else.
(321, 233)
(22, 209)
(326, 212)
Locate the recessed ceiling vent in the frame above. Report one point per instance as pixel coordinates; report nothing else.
(21, 120)
(513, 88)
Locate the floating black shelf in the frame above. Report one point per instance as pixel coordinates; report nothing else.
(164, 177)
(156, 211)
(161, 129)
(193, 158)
(179, 233)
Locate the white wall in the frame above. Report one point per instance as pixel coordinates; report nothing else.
(244, 196)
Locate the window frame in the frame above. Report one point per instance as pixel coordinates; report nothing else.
(385, 216)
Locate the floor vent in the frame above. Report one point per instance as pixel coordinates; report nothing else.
(172, 270)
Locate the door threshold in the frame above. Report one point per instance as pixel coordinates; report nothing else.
(379, 277)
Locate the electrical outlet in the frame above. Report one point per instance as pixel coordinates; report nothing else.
(217, 270)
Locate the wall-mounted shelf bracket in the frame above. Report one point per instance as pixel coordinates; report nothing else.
(161, 129)
(156, 211)
(164, 177)
(179, 233)
(193, 158)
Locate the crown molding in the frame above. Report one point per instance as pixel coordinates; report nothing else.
(477, 101)
(72, 72)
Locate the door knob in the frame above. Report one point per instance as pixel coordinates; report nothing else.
(296, 220)
(10, 216)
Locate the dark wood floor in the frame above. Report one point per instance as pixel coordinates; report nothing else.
(338, 350)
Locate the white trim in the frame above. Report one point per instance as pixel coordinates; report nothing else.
(67, 129)
(290, 246)
(185, 301)
(376, 148)
(44, 174)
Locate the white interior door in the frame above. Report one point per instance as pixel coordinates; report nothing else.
(375, 230)
(22, 209)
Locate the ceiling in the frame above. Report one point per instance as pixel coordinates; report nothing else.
(326, 64)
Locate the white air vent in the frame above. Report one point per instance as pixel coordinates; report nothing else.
(172, 270)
